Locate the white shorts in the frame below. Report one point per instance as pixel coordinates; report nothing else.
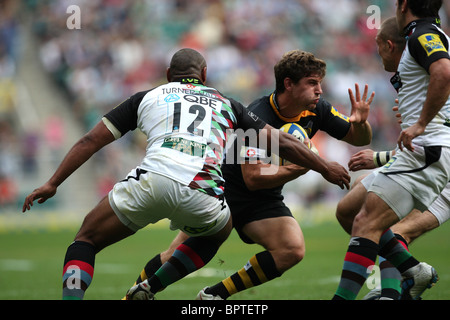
(424, 173)
(147, 197)
(367, 181)
(440, 208)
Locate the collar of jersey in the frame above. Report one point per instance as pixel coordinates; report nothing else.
(276, 109)
(413, 24)
(189, 80)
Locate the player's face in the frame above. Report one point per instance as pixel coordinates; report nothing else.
(383, 52)
(387, 53)
(307, 91)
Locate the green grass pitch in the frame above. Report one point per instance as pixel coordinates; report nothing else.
(31, 265)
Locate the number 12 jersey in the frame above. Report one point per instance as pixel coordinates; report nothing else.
(186, 124)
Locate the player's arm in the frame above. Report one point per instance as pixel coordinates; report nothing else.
(254, 180)
(360, 132)
(437, 95)
(368, 159)
(113, 125)
(291, 149)
(83, 149)
(431, 51)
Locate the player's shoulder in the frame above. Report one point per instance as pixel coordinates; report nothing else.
(139, 96)
(323, 108)
(424, 26)
(427, 42)
(323, 104)
(259, 103)
(427, 34)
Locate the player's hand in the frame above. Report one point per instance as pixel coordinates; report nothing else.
(338, 175)
(397, 115)
(362, 160)
(42, 194)
(360, 106)
(407, 135)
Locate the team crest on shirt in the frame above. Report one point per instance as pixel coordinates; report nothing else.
(338, 114)
(432, 43)
(172, 98)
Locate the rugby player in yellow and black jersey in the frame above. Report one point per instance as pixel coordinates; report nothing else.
(256, 201)
(252, 199)
(297, 99)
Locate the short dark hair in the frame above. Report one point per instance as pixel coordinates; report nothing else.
(297, 64)
(186, 62)
(424, 8)
(389, 31)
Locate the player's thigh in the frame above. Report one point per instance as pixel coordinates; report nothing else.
(279, 233)
(374, 218)
(101, 226)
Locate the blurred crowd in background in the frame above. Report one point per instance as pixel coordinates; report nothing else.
(124, 46)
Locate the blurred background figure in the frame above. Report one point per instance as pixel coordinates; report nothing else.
(56, 82)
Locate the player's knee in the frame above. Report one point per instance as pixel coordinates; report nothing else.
(344, 216)
(361, 220)
(293, 255)
(340, 212)
(298, 254)
(287, 256)
(365, 224)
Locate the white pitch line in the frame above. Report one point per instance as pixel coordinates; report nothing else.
(16, 265)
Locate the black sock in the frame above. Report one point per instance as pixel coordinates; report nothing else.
(78, 269)
(150, 268)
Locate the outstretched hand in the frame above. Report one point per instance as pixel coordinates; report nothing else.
(360, 107)
(42, 194)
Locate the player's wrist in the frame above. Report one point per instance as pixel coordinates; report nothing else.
(382, 157)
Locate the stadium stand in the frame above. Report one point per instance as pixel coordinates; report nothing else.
(71, 77)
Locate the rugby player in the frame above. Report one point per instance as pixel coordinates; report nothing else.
(419, 172)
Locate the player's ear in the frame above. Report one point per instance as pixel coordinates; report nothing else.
(391, 45)
(288, 83)
(204, 75)
(168, 74)
(404, 6)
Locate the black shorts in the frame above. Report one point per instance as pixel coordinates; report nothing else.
(254, 211)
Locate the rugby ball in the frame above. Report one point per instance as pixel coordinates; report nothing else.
(297, 131)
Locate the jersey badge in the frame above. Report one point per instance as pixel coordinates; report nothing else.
(172, 98)
(432, 43)
(338, 114)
